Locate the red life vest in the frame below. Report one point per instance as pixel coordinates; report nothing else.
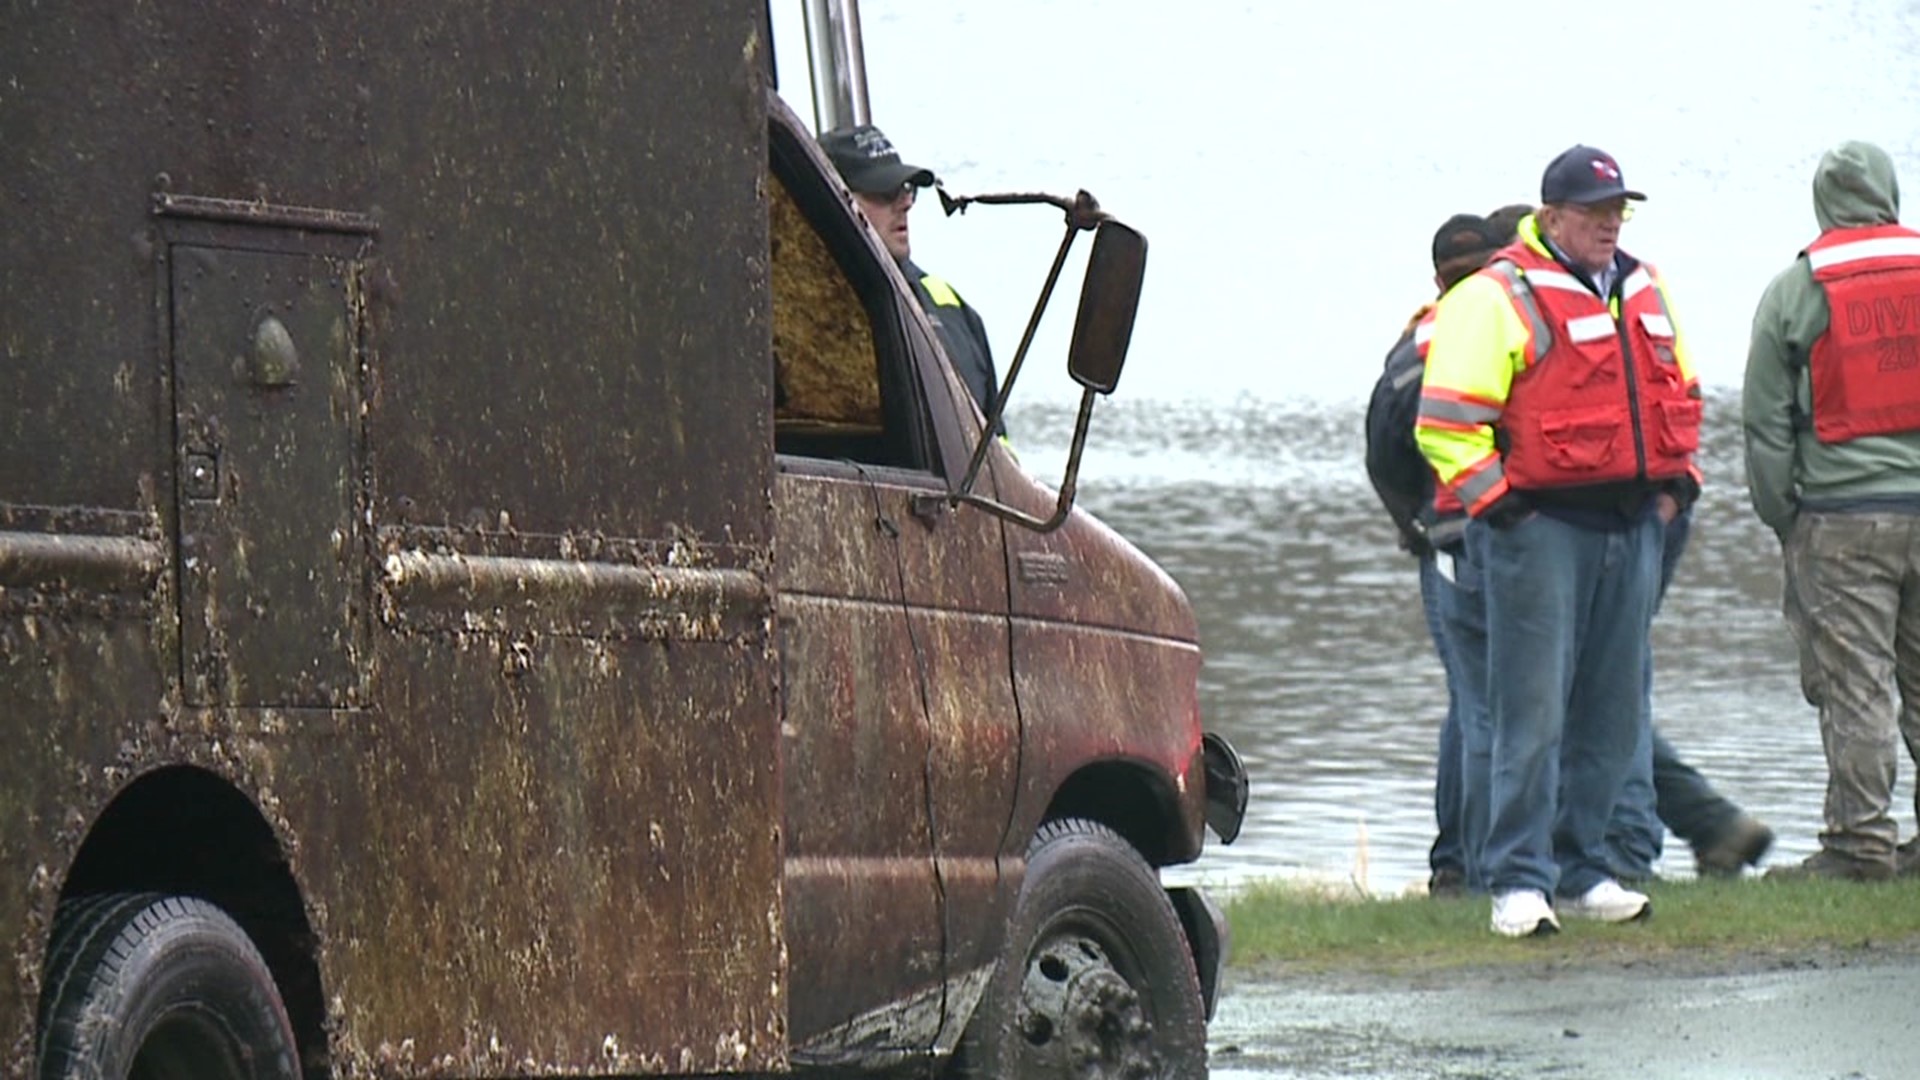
(1599, 401)
(1446, 504)
(1865, 369)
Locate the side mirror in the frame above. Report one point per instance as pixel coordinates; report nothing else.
(1109, 299)
(1108, 302)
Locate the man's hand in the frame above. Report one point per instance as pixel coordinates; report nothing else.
(1667, 507)
(1507, 511)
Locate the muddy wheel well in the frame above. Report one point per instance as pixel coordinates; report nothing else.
(1128, 799)
(188, 832)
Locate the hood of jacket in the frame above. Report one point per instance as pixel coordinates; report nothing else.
(1855, 187)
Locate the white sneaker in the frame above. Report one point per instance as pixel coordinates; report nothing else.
(1523, 913)
(1608, 902)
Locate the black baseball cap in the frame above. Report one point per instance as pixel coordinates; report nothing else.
(1582, 174)
(1464, 243)
(868, 162)
(1465, 236)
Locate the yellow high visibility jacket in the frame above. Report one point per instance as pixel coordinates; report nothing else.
(1484, 335)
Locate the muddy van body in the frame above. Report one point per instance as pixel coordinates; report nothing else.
(480, 596)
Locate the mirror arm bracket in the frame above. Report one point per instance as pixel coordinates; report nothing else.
(1020, 354)
(929, 506)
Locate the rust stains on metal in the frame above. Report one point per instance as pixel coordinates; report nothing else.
(414, 587)
(53, 562)
(576, 598)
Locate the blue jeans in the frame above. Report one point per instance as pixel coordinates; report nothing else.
(1568, 610)
(1463, 614)
(1663, 792)
(1449, 848)
(1451, 597)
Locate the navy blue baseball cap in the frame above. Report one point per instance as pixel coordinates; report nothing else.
(1582, 174)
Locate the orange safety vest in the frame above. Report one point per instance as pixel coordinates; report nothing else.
(1865, 369)
(1600, 400)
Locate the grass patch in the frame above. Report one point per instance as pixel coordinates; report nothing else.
(1303, 927)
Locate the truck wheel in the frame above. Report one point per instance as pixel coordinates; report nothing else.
(1096, 980)
(150, 987)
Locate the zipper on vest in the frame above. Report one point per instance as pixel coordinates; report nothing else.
(1615, 305)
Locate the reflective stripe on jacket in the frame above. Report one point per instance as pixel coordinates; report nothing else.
(1865, 369)
(962, 335)
(1448, 520)
(1535, 382)
(941, 292)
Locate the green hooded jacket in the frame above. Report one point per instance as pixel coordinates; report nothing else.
(1788, 469)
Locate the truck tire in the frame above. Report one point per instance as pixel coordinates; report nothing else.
(151, 987)
(1096, 980)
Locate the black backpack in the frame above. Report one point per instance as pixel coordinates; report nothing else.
(1399, 472)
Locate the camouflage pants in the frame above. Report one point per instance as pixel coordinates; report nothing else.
(1853, 602)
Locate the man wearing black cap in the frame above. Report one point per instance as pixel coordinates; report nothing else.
(1560, 407)
(884, 188)
(1431, 524)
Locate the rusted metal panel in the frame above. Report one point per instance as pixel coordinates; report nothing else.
(896, 682)
(844, 536)
(31, 562)
(1084, 572)
(1091, 695)
(547, 837)
(75, 262)
(861, 877)
(75, 617)
(571, 597)
(577, 873)
(586, 242)
(271, 562)
(1108, 661)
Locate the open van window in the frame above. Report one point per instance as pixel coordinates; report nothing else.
(843, 374)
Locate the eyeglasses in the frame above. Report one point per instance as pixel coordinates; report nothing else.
(905, 193)
(1602, 211)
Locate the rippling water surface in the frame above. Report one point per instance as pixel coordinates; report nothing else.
(1318, 665)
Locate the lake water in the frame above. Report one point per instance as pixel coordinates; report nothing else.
(1289, 163)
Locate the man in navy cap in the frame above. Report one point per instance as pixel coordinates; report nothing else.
(884, 188)
(1560, 408)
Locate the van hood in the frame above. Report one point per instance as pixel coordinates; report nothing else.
(1855, 186)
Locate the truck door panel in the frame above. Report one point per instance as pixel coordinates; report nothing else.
(899, 724)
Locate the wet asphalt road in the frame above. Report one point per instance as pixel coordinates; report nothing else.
(1835, 1016)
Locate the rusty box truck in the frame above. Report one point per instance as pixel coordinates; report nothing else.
(491, 585)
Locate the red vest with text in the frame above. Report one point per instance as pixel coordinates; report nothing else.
(1600, 401)
(1865, 369)
(1445, 502)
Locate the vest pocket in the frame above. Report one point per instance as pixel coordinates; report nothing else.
(1659, 334)
(1580, 439)
(1677, 426)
